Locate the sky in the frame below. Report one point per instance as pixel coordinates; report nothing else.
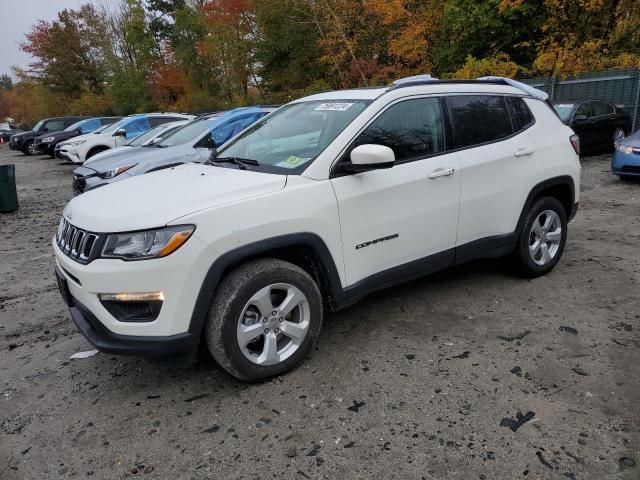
(17, 17)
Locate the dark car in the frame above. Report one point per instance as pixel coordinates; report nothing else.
(46, 143)
(598, 124)
(24, 141)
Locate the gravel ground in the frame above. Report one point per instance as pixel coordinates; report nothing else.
(418, 381)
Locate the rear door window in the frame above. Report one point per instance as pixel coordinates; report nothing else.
(479, 119)
(413, 129)
(521, 116)
(601, 108)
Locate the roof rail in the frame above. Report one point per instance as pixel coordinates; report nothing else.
(529, 90)
(413, 83)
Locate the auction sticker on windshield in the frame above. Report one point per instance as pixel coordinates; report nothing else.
(292, 162)
(335, 106)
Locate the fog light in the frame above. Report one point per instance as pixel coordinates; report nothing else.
(133, 307)
(132, 297)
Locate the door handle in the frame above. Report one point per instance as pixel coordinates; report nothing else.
(523, 152)
(441, 172)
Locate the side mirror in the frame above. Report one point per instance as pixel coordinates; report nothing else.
(371, 157)
(580, 118)
(45, 129)
(120, 133)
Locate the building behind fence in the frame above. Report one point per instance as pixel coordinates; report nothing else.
(620, 87)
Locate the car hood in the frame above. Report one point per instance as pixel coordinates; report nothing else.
(156, 199)
(124, 156)
(90, 136)
(632, 140)
(59, 135)
(28, 133)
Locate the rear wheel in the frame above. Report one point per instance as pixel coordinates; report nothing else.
(263, 320)
(542, 238)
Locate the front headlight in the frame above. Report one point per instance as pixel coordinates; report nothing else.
(48, 139)
(146, 244)
(624, 149)
(76, 143)
(115, 172)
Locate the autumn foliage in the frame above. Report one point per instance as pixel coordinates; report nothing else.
(199, 55)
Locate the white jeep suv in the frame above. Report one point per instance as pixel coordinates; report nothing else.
(320, 203)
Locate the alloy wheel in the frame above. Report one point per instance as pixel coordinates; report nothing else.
(545, 237)
(273, 324)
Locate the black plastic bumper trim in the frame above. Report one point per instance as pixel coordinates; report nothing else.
(182, 347)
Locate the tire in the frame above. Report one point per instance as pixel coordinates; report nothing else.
(618, 134)
(236, 305)
(27, 148)
(532, 261)
(95, 151)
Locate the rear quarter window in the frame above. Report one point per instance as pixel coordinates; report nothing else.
(521, 116)
(478, 119)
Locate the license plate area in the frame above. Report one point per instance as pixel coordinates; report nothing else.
(63, 287)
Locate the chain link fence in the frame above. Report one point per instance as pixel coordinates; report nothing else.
(620, 87)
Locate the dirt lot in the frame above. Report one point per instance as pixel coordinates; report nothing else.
(411, 383)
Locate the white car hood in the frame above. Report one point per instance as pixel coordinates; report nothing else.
(155, 199)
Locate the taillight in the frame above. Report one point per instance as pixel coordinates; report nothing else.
(575, 143)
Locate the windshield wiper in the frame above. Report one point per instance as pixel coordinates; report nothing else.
(155, 145)
(241, 162)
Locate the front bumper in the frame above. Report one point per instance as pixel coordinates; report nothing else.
(625, 163)
(70, 154)
(178, 276)
(45, 148)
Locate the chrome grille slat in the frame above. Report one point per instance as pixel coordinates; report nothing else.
(75, 242)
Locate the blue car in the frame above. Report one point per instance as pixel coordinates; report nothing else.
(626, 158)
(192, 142)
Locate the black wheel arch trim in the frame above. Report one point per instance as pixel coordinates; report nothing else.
(234, 257)
(562, 180)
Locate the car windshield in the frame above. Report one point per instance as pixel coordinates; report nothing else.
(186, 133)
(289, 139)
(115, 126)
(564, 109)
(38, 126)
(75, 126)
(145, 137)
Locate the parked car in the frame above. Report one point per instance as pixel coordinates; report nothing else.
(598, 124)
(6, 131)
(24, 141)
(626, 158)
(320, 203)
(117, 134)
(58, 153)
(46, 143)
(147, 138)
(191, 143)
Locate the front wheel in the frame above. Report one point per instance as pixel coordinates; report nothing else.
(618, 134)
(30, 149)
(264, 319)
(542, 238)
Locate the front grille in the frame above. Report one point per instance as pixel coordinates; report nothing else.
(631, 168)
(76, 243)
(79, 184)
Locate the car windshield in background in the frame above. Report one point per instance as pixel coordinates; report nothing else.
(102, 128)
(75, 126)
(145, 137)
(294, 135)
(38, 126)
(564, 109)
(185, 134)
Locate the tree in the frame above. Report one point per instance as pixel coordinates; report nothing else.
(6, 83)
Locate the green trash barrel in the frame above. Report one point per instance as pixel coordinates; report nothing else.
(8, 194)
